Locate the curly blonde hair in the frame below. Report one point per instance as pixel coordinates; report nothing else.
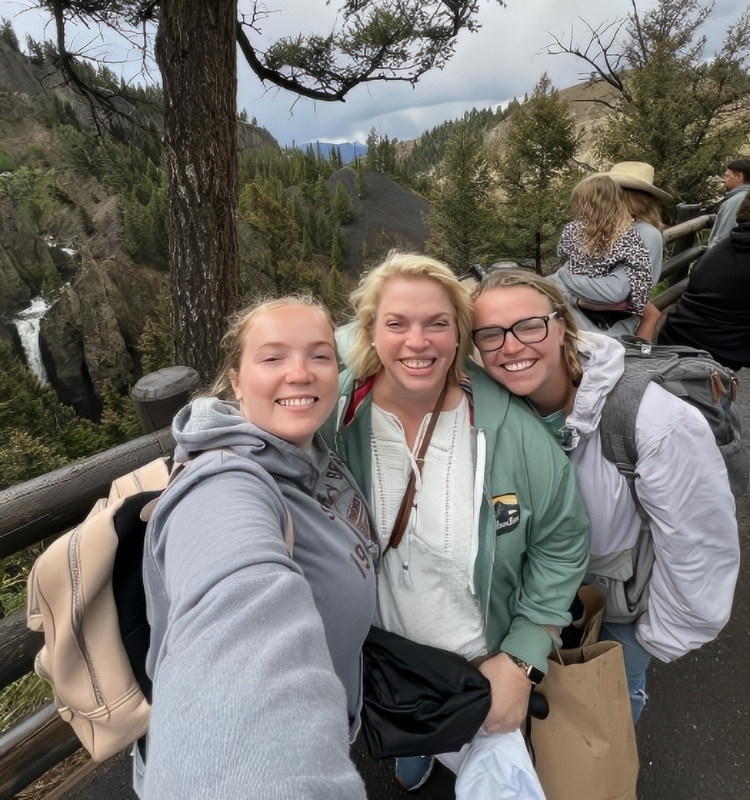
(597, 201)
(516, 276)
(362, 356)
(239, 324)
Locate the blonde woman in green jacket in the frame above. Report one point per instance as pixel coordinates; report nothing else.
(496, 543)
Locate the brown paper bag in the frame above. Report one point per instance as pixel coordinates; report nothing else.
(585, 749)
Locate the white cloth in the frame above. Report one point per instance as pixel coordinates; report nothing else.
(424, 588)
(494, 766)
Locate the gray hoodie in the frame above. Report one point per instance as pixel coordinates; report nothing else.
(255, 654)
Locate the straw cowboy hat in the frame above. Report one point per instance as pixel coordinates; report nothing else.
(637, 175)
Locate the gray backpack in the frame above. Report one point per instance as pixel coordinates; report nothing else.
(697, 378)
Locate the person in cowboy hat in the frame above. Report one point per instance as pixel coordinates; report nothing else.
(602, 240)
(643, 200)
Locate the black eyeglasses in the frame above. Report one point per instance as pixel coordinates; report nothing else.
(528, 331)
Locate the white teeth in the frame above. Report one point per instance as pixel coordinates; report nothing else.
(416, 364)
(295, 402)
(517, 366)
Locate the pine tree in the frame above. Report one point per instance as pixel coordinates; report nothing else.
(537, 174)
(336, 299)
(462, 220)
(336, 251)
(676, 107)
(279, 238)
(342, 206)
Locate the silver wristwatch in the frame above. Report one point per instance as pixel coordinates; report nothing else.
(535, 675)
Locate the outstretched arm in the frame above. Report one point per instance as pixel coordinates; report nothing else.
(246, 700)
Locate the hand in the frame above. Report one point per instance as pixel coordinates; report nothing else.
(510, 694)
(649, 324)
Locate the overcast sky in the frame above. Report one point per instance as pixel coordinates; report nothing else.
(503, 60)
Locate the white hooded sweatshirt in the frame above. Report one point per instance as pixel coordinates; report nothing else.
(683, 486)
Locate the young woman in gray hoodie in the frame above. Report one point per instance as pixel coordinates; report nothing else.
(259, 576)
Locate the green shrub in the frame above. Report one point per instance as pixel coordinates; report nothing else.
(156, 343)
(8, 35)
(7, 162)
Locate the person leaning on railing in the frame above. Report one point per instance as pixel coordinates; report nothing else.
(737, 184)
(713, 313)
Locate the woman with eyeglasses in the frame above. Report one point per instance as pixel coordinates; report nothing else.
(529, 343)
(495, 544)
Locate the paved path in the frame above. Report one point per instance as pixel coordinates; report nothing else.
(693, 738)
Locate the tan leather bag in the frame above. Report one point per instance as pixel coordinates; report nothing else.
(71, 599)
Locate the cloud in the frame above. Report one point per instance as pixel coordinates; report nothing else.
(505, 59)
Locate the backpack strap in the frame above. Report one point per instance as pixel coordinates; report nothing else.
(289, 531)
(643, 363)
(617, 436)
(617, 424)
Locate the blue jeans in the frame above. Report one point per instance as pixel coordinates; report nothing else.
(636, 662)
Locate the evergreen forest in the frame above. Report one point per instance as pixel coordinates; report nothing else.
(494, 184)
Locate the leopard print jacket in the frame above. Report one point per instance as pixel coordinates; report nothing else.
(628, 251)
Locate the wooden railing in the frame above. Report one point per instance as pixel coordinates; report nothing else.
(32, 512)
(47, 506)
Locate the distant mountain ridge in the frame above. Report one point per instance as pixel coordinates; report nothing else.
(350, 151)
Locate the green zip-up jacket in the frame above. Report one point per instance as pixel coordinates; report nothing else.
(533, 529)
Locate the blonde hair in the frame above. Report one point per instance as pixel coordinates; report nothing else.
(597, 202)
(233, 340)
(643, 206)
(365, 299)
(503, 278)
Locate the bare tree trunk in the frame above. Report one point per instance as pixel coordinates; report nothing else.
(196, 53)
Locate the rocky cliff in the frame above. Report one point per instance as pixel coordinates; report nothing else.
(90, 335)
(385, 216)
(67, 241)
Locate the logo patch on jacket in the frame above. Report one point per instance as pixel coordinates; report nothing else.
(507, 513)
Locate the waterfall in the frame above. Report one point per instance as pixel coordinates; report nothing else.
(27, 324)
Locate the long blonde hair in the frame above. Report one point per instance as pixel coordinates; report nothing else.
(643, 206)
(598, 203)
(239, 324)
(362, 356)
(503, 278)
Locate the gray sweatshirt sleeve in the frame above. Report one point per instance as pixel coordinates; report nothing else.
(726, 217)
(610, 288)
(654, 241)
(246, 702)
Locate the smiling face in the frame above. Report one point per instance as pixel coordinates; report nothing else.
(536, 371)
(287, 380)
(415, 335)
